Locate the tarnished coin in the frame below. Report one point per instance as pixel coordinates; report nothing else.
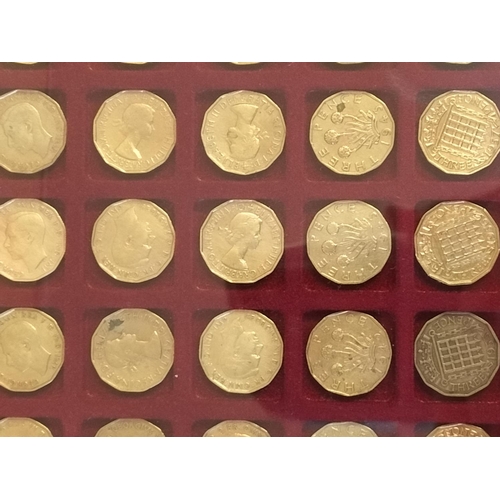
(32, 239)
(134, 131)
(32, 131)
(457, 242)
(22, 427)
(352, 132)
(133, 240)
(349, 242)
(457, 354)
(130, 427)
(241, 351)
(458, 430)
(348, 353)
(459, 132)
(132, 350)
(243, 132)
(241, 241)
(236, 428)
(31, 349)
(344, 429)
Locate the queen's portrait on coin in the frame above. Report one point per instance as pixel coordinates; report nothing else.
(22, 348)
(136, 124)
(243, 137)
(133, 239)
(24, 238)
(243, 234)
(24, 129)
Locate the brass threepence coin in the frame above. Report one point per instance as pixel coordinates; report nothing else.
(458, 430)
(352, 132)
(236, 428)
(133, 240)
(134, 131)
(32, 239)
(459, 132)
(349, 242)
(457, 242)
(344, 429)
(348, 353)
(32, 131)
(130, 427)
(241, 241)
(22, 427)
(241, 351)
(31, 349)
(243, 132)
(457, 354)
(132, 350)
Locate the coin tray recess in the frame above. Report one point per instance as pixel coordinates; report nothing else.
(79, 294)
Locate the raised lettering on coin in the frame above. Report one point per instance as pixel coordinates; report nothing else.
(457, 354)
(132, 350)
(236, 428)
(348, 353)
(133, 240)
(31, 349)
(458, 430)
(457, 242)
(22, 427)
(344, 429)
(241, 351)
(130, 427)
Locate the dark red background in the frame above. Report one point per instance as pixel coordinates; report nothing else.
(78, 295)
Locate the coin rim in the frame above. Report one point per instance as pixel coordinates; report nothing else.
(355, 174)
(64, 122)
(206, 117)
(461, 313)
(58, 329)
(420, 127)
(96, 365)
(463, 281)
(59, 218)
(309, 361)
(309, 250)
(30, 420)
(445, 426)
(121, 420)
(232, 280)
(101, 109)
(356, 424)
(257, 427)
(205, 332)
(161, 269)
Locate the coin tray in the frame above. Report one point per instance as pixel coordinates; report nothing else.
(79, 294)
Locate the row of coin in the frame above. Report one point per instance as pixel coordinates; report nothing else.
(241, 351)
(136, 427)
(243, 132)
(242, 241)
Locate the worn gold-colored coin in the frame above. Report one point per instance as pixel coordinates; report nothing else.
(241, 351)
(352, 132)
(132, 350)
(242, 241)
(133, 240)
(130, 427)
(457, 354)
(236, 428)
(349, 242)
(344, 429)
(244, 63)
(243, 132)
(32, 131)
(134, 131)
(459, 132)
(32, 239)
(31, 349)
(22, 427)
(458, 430)
(457, 242)
(349, 353)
